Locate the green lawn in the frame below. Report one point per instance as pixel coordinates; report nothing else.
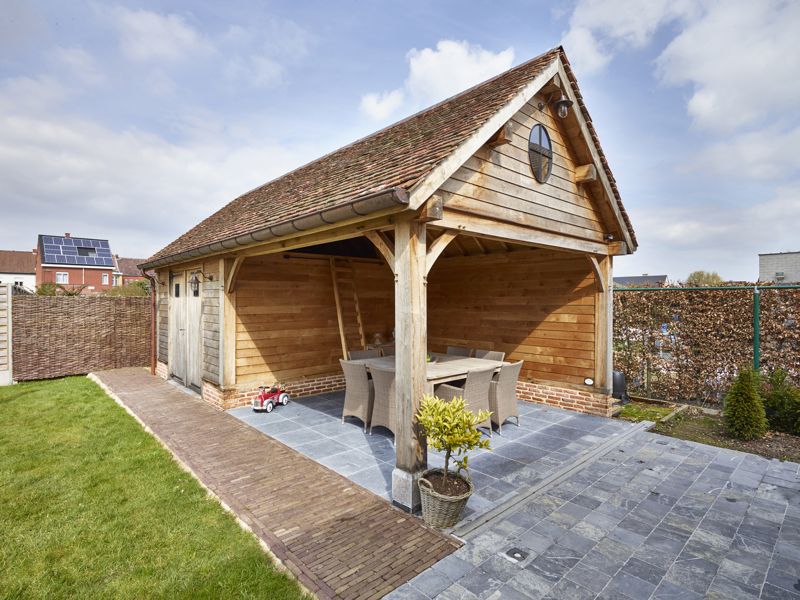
(92, 506)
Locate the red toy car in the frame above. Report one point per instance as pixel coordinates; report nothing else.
(269, 396)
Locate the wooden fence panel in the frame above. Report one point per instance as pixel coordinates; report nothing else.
(54, 336)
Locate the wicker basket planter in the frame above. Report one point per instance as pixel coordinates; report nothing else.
(439, 510)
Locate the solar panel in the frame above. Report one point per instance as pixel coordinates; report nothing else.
(88, 252)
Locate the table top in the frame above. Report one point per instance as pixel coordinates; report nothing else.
(445, 368)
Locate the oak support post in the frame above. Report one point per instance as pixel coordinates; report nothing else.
(228, 341)
(604, 316)
(411, 342)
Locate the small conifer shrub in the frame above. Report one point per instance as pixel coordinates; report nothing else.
(782, 402)
(743, 410)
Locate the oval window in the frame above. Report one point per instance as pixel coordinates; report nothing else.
(540, 153)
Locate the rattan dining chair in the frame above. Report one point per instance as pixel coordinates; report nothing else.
(384, 411)
(359, 354)
(458, 351)
(503, 395)
(359, 392)
(490, 355)
(475, 392)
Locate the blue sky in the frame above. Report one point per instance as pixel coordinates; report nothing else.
(133, 121)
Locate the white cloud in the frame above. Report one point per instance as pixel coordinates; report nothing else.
(255, 70)
(741, 61)
(381, 106)
(435, 74)
(136, 188)
(81, 64)
(767, 154)
(584, 51)
(149, 36)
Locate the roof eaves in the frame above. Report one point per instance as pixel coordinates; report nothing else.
(362, 206)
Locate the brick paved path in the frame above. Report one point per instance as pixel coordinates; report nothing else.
(336, 537)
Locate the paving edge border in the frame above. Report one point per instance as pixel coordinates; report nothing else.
(473, 528)
(279, 565)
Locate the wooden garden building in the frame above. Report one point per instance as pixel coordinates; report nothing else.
(488, 220)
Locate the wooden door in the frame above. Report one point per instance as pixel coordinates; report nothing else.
(193, 336)
(177, 328)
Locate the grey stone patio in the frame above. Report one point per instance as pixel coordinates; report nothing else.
(546, 441)
(653, 518)
(649, 517)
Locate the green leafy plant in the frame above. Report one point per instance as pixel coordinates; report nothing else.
(452, 428)
(782, 402)
(140, 287)
(743, 410)
(53, 289)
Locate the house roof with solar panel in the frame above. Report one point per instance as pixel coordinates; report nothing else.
(67, 251)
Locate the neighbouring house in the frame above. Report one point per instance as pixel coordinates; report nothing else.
(489, 220)
(779, 267)
(18, 268)
(127, 270)
(638, 281)
(74, 262)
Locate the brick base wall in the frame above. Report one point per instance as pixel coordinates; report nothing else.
(571, 399)
(162, 370)
(243, 396)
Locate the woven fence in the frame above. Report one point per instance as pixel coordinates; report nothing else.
(688, 345)
(54, 336)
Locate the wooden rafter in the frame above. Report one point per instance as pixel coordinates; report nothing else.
(338, 308)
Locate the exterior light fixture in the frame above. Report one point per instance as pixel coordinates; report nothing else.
(562, 106)
(588, 381)
(194, 280)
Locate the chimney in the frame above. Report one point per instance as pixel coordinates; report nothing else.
(66, 235)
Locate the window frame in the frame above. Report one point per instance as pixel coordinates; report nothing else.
(541, 151)
(104, 278)
(65, 277)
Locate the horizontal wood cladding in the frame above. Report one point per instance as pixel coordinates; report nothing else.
(534, 305)
(286, 324)
(496, 182)
(162, 316)
(210, 330)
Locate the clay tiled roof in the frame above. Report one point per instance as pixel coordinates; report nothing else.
(398, 156)
(17, 261)
(129, 266)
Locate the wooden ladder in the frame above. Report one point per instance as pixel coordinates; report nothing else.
(348, 311)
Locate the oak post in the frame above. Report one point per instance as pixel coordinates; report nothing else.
(604, 306)
(228, 341)
(411, 347)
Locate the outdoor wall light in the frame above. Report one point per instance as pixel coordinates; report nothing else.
(588, 381)
(194, 280)
(562, 106)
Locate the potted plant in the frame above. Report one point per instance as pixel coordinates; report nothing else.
(450, 428)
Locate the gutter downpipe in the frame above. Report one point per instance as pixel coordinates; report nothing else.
(360, 207)
(153, 292)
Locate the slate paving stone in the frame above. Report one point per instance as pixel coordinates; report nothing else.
(530, 583)
(631, 586)
(750, 552)
(644, 570)
(670, 591)
(741, 573)
(480, 582)
(723, 588)
(692, 572)
(453, 567)
(431, 582)
(569, 590)
(589, 578)
(783, 580)
(536, 541)
(772, 592)
(607, 556)
(456, 592)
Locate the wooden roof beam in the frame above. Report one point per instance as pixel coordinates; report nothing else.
(585, 173)
(383, 244)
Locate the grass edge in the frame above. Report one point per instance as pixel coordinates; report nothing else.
(278, 563)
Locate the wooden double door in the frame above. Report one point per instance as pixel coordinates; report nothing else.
(184, 322)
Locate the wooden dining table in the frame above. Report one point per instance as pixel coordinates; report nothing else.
(443, 367)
